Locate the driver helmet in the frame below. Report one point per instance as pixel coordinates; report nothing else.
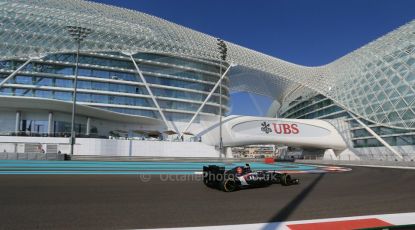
(247, 168)
(239, 170)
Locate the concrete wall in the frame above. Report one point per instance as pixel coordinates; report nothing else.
(107, 147)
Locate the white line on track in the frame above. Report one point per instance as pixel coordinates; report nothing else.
(395, 219)
(371, 166)
(382, 166)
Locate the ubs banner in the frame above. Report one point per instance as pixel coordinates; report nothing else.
(278, 128)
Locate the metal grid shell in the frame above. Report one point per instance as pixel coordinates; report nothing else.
(375, 82)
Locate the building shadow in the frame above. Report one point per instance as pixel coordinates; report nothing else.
(286, 212)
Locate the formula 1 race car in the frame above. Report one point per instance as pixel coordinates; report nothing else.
(242, 177)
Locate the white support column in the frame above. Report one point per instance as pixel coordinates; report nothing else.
(17, 124)
(15, 72)
(50, 123)
(151, 93)
(329, 155)
(397, 154)
(88, 126)
(206, 100)
(228, 152)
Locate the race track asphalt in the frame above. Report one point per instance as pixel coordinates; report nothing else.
(126, 202)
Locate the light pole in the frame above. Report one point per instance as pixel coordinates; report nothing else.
(223, 50)
(78, 34)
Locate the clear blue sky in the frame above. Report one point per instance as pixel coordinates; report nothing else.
(306, 32)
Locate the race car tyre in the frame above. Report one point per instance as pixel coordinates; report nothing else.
(275, 179)
(229, 185)
(285, 179)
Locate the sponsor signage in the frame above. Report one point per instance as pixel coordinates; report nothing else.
(279, 128)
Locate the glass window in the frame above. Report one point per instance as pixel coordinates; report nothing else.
(5, 64)
(84, 84)
(404, 140)
(359, 143)
(118, 100)
(121, 88)
(6, 91)
(111, 99)
(373, 142)
(23, 92)
(84, 97)
(98, 98)
(146, 113)
(34, 126)
(360, 133)
(26, 80)
(390, 140)
(113, 87)
(64, 96)
(130, 89)
(100, 73)
(65, 83)
(129, 101)
(84, 72)
(44, 81)
(43, 93)
(180, 117)
(63, 128)
(121, 76)
(130, 77)
(99, 86)
(64, 70)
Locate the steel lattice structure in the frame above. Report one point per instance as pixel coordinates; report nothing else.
(375, 82)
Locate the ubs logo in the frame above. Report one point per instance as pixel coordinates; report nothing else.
(265, 128)
(280, 128)
(285, 128)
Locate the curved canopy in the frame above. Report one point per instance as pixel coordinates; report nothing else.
(83, 110)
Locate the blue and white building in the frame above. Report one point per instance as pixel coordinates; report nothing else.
(142, 76)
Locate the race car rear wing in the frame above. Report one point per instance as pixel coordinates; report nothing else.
(213, 170)
(213, 175)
